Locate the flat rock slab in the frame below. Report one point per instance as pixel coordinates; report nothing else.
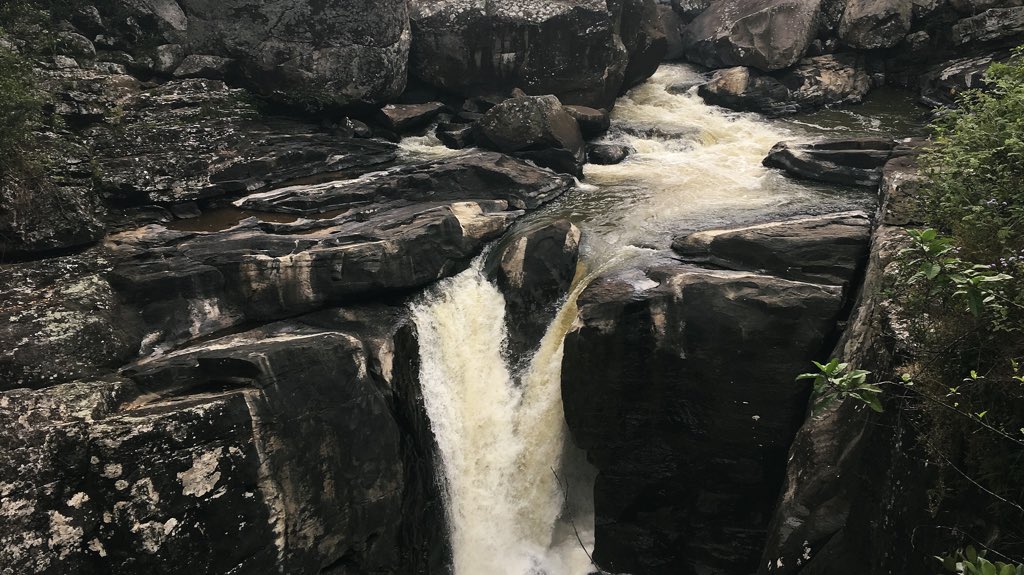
(829, 249)
(855, 162)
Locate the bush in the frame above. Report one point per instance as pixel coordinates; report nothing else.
(962, 298)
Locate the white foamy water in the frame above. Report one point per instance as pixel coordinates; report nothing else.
(502, 435)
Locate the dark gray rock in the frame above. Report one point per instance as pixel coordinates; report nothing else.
(855, 162)
(639, 27)
(678, 383)
(593, 123)
(61, 320)
(607, 154)
(690, 9)
(536, 128)
(50, 210)
(281, 441)
(315, 52)
(534, 272)
(993, 26)
(204, 66)
(941, 85)
(829, 249)
(871, 24)
(407, 117)
(198, 139)
(764, 34)
(850, 470)
(672, 26)
(811, 84)
(579, 51)
(455, 136)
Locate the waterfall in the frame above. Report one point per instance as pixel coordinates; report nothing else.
(501, 435)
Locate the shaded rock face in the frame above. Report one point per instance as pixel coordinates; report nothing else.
(828, 249)
(281, 440)
(579, 51)
(853, 499)
(870, 24)
(316, 52)
(811, 84)
(536, 128)
(534, 272)
(678, 383)
(151, 288)
(763, 34)
(991, 26)
(200, 140)
(941, 85)
(846, 162)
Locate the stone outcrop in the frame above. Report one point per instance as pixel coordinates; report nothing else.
(607, 154)
(678, 383)
(857, 162)
(282, 440)
(537, 128)
(582, 52)
(854, 474)
(309, 52)
(871, 24)
(763, 34)
(812, 83)
(534, 272)
(829, 249)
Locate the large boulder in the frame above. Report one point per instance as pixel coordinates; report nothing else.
(993, 26)
(639, 27)
(764, 34)
(678, 382)
(856, 162)
(534, 272)
(811, 84)
(579, 51)
(871, 24)
(829, 249)
(537, 128)
(308, 51)
(274, 449)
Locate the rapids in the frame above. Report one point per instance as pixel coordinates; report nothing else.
(502, 438)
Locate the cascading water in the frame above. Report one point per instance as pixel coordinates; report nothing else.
(501, 435)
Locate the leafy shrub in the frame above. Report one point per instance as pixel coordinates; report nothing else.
(961, 296)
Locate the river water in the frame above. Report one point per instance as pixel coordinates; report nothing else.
(516, 490)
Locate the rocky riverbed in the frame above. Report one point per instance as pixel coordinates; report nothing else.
(217, 290)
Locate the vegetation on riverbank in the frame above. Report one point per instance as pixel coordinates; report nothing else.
(962, 296)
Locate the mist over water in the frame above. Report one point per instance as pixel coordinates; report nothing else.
(502, 437)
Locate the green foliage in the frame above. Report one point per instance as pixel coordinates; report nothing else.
(979, 285)
(960, 296)
(969, 561)
(976, 165)
(835, 382)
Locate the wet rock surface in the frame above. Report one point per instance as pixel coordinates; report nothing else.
(579, 51)
(811, 84)
(233, 439)
(678, 383)
(535, 272)
(857, 162)
(764, 34)
(829, 249)
(537, 128)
